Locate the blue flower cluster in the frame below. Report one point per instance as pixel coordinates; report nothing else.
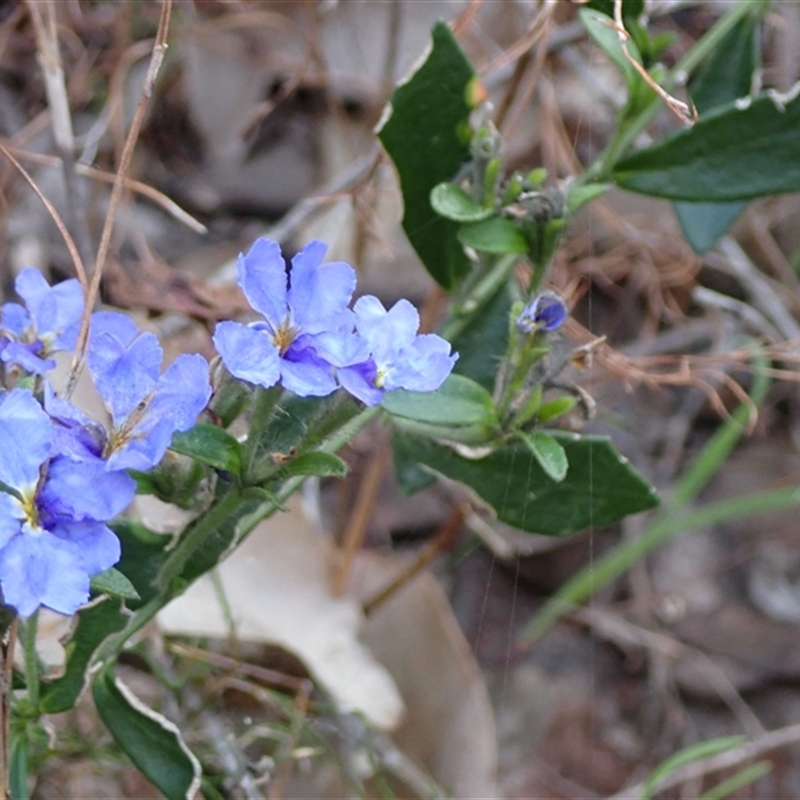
(63, 475)
(313, 343)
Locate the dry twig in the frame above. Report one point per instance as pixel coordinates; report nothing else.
(157, 58)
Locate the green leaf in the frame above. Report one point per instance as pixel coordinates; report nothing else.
(112, 582)
(427, 137)
(458, 401)
(726, 76)
(452, 202)
(703, 224)
(323, 465)
(549, 453)
(211, 445)
(484, 342)
(579, 196)
(152, 742)
(219, 543)
(599, 489)
(743, 150)
(143, 553)
(496, 235)
(598, 26)
(96, 623)
(728, 73)
(556, 408)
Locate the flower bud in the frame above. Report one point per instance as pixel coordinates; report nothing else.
(546, 312)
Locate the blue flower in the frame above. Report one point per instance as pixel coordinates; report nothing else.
(53, 535)
(146, 407)
(299, 312)
(546, 312)
(51, 321)
(399, 358)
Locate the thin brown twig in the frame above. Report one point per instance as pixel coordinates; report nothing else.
(156, 60)
(7, 645)
(360, 515)
(144, 189)
(80, 269)
(683, 111)
(443, 540)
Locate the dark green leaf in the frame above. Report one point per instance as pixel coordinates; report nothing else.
(112, 582)
(426, 135)
(458, 401)
(211, 445)
(704, 223)
(599, 489)
(726, 76)
(484, 341)
(151, 741)
(95, 624)
(549, 453)
(728, 73)
(496, 235)
(143, 553)
(452, 202)
(739, 151)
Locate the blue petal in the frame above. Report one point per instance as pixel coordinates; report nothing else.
(306, 374)
(74, 434)
(359, 380)
(183, 391)
(42, 570)
(112, 322)
(10, 515)
(25, 356)
(248, 354)
(319, 292)
(25, 435)
(15, 319)
(52, 308)
(124, 376)
(80, 490)
(145, 448)
(387, 332)
(423, 366)
(262, 276)
(98, 546)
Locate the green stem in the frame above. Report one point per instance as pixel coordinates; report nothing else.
(463, 313)
(31, 660)
(331, 445)
(611, 566)
(196, 537)
(627, 132)
(199, 534)
(266, 401)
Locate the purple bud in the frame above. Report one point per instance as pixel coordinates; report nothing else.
(546, 312)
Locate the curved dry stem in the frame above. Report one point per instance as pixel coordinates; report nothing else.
(156, 60)
(80, 269)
